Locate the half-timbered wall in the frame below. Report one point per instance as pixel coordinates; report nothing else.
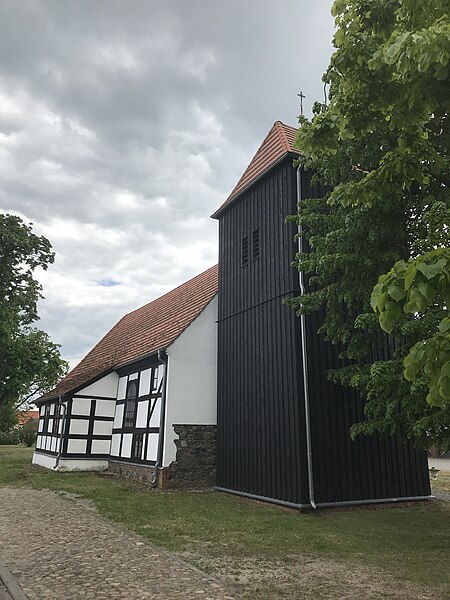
(50, 427)
(87, 422)
(136, 426)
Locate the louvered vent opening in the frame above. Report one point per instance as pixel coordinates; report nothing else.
(255, 244)
(245, 251)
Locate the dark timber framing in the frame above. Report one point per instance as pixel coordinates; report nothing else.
(135, 370)
(261, 429)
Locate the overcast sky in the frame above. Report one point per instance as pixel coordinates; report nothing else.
(125, 124)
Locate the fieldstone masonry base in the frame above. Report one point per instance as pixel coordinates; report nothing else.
(194, 465)
(195, 462)
(131, 471)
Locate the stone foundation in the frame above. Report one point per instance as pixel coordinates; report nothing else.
(195, 462)
(194, 465)
(132, 471)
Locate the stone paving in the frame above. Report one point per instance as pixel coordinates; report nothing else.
(59, 548)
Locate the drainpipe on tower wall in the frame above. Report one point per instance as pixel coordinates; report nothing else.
(305, 359)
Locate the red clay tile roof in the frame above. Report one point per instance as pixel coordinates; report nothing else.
(26, 415)
(278, 142)
(147, 329)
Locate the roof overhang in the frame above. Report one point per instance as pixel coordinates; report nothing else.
(232, 199)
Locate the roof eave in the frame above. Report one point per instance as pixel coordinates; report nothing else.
(232, 199)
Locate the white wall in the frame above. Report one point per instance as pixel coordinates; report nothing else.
(71, 464)
(105, 387)
(192, 378)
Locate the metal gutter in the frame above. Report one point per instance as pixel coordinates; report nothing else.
(262, 498)
(163, 358)
(305, 361)
(374, 501)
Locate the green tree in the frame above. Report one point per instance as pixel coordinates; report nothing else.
(382, 143)
(30, 363)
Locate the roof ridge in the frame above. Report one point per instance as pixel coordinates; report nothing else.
(153, 326)
(185, 283)
(282, 133)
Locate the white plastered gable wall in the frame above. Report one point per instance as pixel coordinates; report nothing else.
(192, 378)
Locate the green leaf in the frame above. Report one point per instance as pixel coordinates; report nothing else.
(396, 292)
(386, 322)
(410, 275)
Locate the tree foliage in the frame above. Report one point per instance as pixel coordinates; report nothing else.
(30, 362)
(382, 144)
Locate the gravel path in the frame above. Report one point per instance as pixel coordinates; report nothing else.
(59, 548)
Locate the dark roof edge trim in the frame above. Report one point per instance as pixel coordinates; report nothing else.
(231, 200)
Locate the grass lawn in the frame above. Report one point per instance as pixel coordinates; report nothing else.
(241, 539)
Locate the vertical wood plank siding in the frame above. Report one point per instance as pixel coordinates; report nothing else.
(261, 441)
(261, 422)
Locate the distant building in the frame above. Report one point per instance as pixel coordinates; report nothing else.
(25, 416)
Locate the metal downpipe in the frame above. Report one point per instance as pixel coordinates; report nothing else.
(63, 424)
(163, 358)
(309, 454)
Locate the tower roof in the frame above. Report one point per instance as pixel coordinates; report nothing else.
(277, 143)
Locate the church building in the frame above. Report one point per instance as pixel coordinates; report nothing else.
(221, 374)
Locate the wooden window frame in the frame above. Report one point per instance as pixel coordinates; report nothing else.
(130, 410)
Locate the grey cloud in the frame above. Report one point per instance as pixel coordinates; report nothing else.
(124, 126)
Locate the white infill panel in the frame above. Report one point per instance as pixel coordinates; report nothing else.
(142, 414)
(52, 409)
(41, 425)
(48, 441)
(38, 442)
(42, 410)
(132, 376)
(144, 382)
(154, 419)
(79, 426)
(102, 427)
(58, 444)
(118, 417)
(76, 447)
(144, 438)
(115, 444)
(122, 389)
(50, 425)
(53, 445)
(100, 446)
(81, 406)
(152, 449)
(126, 445)
(105, 408)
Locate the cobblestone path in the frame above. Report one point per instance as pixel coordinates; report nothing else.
(59, 548)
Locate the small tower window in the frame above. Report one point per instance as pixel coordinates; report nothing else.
(255, 244)
(245, 251)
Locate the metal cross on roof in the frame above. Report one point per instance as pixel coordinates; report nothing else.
(301, 96)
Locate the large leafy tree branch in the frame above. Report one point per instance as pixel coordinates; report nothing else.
(30, 362)
(382, 144)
